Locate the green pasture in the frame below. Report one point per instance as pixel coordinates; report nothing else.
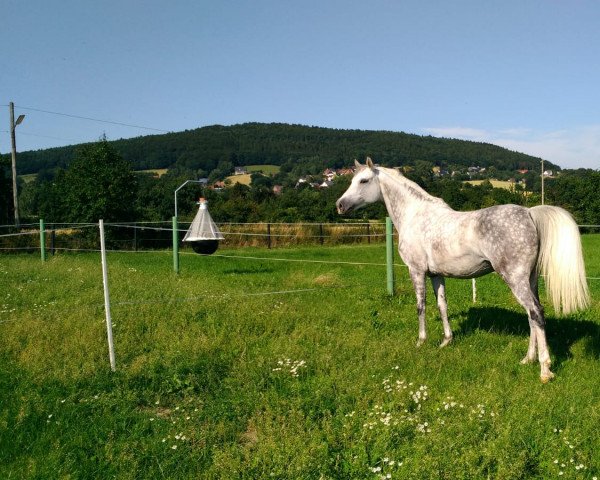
(262, 368)
(266, 169)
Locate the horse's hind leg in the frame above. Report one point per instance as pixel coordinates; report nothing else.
(439, 288)
(528, 299)
(418, 279)
(531, 350)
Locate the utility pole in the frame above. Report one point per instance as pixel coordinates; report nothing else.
(13, 126)
(542, 181)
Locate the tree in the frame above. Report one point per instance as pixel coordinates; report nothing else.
(98, 184)
(577, 191)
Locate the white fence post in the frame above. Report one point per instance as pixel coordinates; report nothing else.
(111, 346)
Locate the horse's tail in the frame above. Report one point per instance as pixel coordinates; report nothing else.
(560, 260)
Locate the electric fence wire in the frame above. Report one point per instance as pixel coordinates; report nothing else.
(240, 257)
(177, 300)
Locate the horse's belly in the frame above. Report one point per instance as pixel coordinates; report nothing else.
(463, 267)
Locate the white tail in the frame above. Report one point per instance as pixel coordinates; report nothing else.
(560, 260)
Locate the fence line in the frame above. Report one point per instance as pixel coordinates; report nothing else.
(137, 226)
(162, 229)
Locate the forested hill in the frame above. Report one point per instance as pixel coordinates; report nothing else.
(276, 143)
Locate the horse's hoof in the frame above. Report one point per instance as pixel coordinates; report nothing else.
(545, 378)
(445, 342)
(420, 342)
(527, 360)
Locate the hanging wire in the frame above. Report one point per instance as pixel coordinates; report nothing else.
(111, 122)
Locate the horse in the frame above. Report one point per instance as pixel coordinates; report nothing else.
(518, 243)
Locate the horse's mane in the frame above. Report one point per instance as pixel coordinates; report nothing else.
(410, 187)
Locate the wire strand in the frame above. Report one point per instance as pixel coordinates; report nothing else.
(80, 117)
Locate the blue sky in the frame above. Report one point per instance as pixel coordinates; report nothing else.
(524, 74)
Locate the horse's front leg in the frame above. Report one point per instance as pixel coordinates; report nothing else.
(418, 279)
(439, 288)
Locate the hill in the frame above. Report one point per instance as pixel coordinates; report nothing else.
(277, 144)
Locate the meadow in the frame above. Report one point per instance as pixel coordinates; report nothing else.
(495, 183)
(267, 368)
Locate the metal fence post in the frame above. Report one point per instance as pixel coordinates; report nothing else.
(175, 246)
(42, 240)
(389, 241)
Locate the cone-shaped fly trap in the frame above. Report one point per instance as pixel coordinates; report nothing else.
(203, 234)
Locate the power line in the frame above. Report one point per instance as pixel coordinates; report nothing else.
(45, 136)
(92, 119)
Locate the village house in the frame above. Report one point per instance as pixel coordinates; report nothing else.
(217, 186)
(329, 174)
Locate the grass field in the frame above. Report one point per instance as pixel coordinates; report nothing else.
(495, 183)
(246, 178)
(268, 369)
(156, 172)
(266, 169)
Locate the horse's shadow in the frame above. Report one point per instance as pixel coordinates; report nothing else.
(561, 333)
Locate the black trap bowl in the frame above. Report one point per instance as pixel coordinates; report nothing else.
(205, 247)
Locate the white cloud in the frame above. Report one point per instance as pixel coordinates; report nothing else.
(577, 147)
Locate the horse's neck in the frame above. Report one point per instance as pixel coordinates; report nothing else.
(404, 199)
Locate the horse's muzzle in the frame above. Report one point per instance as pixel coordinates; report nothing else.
(342, 207)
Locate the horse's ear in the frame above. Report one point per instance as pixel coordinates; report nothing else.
(370, 163)
(357, 165)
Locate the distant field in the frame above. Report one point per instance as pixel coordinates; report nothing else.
(266, 169)
(157, 172)
(495, 183)
(246, 178)
(293, 364)
(243, 179)
(28, 178)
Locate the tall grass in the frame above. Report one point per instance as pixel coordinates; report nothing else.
(241, 368)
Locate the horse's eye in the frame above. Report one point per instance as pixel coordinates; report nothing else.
(364, 180)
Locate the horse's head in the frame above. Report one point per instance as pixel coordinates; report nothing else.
(363, 190)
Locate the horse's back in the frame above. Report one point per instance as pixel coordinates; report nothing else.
(508, 236)
(471, 244)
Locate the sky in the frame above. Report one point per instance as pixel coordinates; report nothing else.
(522, 74)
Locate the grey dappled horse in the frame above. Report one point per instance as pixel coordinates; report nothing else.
(516, 242)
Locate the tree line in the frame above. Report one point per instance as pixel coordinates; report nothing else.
(205, 149)
(100, 183)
